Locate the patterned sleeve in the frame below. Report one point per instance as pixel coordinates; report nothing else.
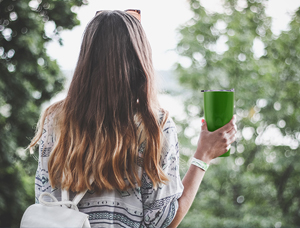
(46, 143)
(160, 205)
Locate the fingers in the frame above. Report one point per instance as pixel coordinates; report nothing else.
(231, 135)
(231, 138)
(204, 125)
(233, 130)
(227, 138)
(219, 141)
(228, 127)
(226, 144)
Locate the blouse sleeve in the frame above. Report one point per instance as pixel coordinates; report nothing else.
(160, 205)
(46, 143)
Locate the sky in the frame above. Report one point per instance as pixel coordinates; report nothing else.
(160, 19)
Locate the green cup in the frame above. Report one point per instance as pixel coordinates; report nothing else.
(218, 109)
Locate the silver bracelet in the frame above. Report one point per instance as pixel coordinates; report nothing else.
(201, 164)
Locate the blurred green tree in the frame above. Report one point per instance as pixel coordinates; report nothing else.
(258, 185)
(28, 77)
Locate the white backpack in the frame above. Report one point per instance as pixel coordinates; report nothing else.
(63, 213)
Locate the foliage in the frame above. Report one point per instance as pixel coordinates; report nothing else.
(28, 77)
(257, 186)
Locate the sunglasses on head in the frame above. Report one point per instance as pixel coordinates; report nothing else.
(134, 12)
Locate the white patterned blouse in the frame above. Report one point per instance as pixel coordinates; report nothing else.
(137, 207)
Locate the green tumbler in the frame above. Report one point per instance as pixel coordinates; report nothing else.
(218, 109)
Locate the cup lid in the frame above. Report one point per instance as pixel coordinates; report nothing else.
(221, 90)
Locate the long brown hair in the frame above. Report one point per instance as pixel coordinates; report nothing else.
(112, 89)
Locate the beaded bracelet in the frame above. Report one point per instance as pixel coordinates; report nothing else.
(201, 164)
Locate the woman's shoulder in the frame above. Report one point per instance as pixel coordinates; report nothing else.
(169, 131)
(165, 120)
(49, 120)
(52, 112)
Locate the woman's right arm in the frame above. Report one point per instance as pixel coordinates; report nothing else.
(210, 146)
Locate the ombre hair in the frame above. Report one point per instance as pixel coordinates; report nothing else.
(112, 89)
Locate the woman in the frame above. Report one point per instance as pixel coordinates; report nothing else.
(110, 127)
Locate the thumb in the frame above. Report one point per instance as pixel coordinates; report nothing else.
(204, 125)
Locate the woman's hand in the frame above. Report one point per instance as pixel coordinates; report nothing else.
(213, 144)
(210, 146)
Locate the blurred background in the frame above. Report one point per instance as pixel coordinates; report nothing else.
(250, 45)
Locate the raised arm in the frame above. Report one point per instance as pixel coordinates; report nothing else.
(210, 146)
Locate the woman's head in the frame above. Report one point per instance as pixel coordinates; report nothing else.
(117, 60)
(112, 87)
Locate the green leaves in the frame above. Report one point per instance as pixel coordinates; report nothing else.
(257, 184)
(28, 78)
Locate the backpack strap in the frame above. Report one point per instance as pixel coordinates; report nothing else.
(55, 202)
(80, 195)
(65, 194)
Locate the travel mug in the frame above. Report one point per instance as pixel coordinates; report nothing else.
(218, 109)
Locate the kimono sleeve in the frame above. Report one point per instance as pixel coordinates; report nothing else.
(46, 143)
(160, 205)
